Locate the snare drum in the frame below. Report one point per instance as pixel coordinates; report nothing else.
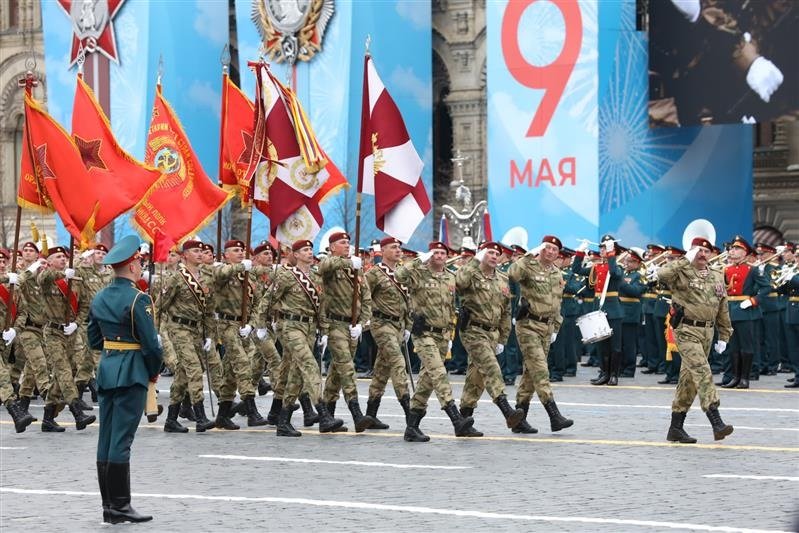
(594, 327)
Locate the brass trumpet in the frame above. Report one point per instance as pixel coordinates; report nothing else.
(719, 258)
(655, 260)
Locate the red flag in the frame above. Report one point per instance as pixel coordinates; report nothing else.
(31, 193)
(238, 117)
(183, 199)
(389, 166)
(161, 247)
(488, 235)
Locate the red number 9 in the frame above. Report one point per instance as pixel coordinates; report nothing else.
(553, 77)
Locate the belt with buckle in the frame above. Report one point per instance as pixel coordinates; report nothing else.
(339, 318)
(384, 316)
(297, 318)
(484, 327)
(440, 331)
(698, 323)
(231, 318)
(185, 321)
(538, 318)
(120, 345)
(55, 325)
(31, 324)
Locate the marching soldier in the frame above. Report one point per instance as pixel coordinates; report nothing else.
(671, 368)
(537, 323)
(700, 297)
(121, 325)
(263, 257)
(19, 414)
(630, 292)
(484, 321)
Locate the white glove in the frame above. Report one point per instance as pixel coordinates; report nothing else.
(70, 328)
(690, 255)
(764, 78)
(323, 343)
(449, 346)
(261, 333)
(352, 250)
(207, 344)
(245, 331)
(247, 264)
(9, 335)
(512, 321)
(274, 326)
(652, 273)
(746, 304)
(406, 335)
(218, 264)
(583, 246)
(145, 275)
(35, 266)
(13, 278)
(481, 254)
(720, 346)
(780, 249)
(610, 246)
(424, 257)
(357, 263)
(160, 342)
(499, 349)
(536, 250)
(355, 331)
(761, 269)
(69, 273)
(87, 254)
(553, 338)
(690, 9)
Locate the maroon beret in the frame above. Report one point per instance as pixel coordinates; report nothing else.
(299, 245)
(234, 243)
(701, 241)
(390, 240)
(188, 245)
(437, 245)
(58, 249)
(492, 245)
(30, 245)
(338, 236)
(551, 239)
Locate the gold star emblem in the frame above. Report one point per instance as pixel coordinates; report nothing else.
(377, 154)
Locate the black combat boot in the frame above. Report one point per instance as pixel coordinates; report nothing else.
(463, 426)
(405, 402)
(412, 432)
(81, 388)
(512, 416)
(263, 387)
(254, 418)
(676, 432)
(556, 420)
(202, 423)
(331, 408)
(22, 419)
(720, 429)
(49, 425)
(186, 410)
(118, 485)
(274, 411)
(81, 420)
(524, 426)
(362, 422)
(735, 361)
(746, 369)
(328, 424)
(604, 371)
(309, 416)
(24, 404)
(102, 467)
(237, 408)
(372, 405)
(466, 411)
(223, 420)
(284, 427)
(172, 425)
(615, 367)
(92, 385)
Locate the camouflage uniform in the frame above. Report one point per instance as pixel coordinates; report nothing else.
(89, 280)
(266, 353)
(28, 324)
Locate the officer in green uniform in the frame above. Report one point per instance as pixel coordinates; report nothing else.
(565, 347)
(630, 292)
(770, 325)
(790, 288)
(651, 358)
(121, 325)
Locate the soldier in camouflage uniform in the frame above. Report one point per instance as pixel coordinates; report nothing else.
(485, 320)
(701, 293)
(538, 320)
(432, 290)
(340, 273)
(266, 353)
(390, 329)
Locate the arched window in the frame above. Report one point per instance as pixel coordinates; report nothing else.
(18, 140)
(13, 14)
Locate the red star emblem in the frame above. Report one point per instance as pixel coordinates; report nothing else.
(92, 24)
(41, 161)
(246, 153)
(90, 153)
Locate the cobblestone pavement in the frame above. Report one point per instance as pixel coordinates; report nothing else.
(612, 471)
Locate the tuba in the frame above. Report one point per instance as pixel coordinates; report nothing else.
(698, 228)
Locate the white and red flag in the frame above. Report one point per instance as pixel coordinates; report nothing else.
(389, 168)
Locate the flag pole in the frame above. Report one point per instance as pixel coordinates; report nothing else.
(225, 60)
(245, 300)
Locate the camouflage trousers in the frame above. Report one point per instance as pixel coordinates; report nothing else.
(483, 372)
(237, 363)
(389, 363)
(432, 350)
(534, 342)
(695, 375)
(84, 358)
(298, 340)
(170, 358)
(266, 358)
(6, 390)
(59, 349)
(35, 373)
(282, 372)
(187, 343)
(341, 375)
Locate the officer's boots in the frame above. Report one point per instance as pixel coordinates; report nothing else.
(254, 418)
(735, 363)
(512, 416)
(186, 410)
(412, 432)
(284, 427)
(172, 425)
(22, 419)
(223, 420)
(556, 420)
(372, 405)
(309, 416)
(676, 432)
(615, 368)
(24, 403)
(274, 411)
(118, 486)
(720, 429)
(405, 402)
(464, 426)
(49, 425)
(604, 371)
(362, 422)
(524, 426)
(202, 423)
(746, 370)
(102, 467)
(328, 424)
(81, 419)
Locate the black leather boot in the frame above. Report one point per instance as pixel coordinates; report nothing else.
(284, 427)
(615, 368)
(328, 424)
(263, 387)
(372, 405)
(331, 408)
(309, 416)
(81, 388)
(172, 425)
(556, 420)
(22, 419)
(412, 432)
(463, 426)
(24, 403)
(49, 425)
(254, 418)
(720, 429)
(362, 422)
(274, 411)
(604, 371)
(746, 369)
(466, 411)
(81, 420)
(118, 485)
(202, 423)
(223, 420)
(102, 467)
(524, 426)
(512, 416)
(186, 409)
(676, 432)
(735, 360)
(237, 408)
(405, 402)
(92, 385)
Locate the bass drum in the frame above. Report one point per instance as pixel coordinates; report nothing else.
(594, 327)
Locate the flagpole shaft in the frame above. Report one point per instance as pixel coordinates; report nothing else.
(219, 234)
(17, 222)
(355, 285)
(245, 300)
(221, 160)
(71, 256)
